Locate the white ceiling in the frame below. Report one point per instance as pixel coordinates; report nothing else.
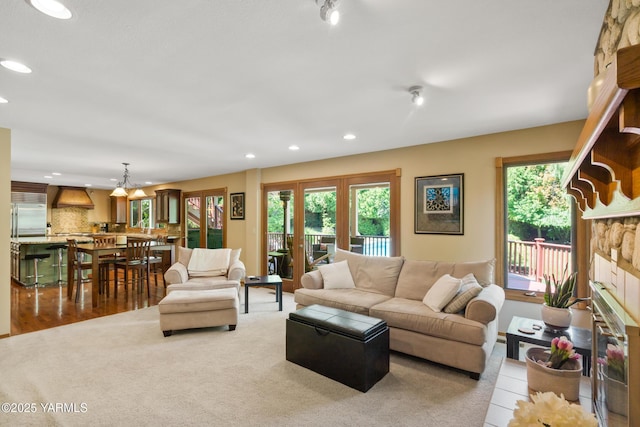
(184, 89)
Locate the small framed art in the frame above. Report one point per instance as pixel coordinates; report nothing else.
(237, 205)
(439, 206)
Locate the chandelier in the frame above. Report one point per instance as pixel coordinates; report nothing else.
(123, 187)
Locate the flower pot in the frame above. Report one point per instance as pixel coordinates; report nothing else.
(556, 318)
(616, 396)
(565, 382)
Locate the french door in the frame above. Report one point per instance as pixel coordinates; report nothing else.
(205, 219)
(306, 221)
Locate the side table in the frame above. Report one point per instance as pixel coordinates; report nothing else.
(270, 280)
(581, 339)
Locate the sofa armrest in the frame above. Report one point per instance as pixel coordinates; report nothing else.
(485, 307)
(237, 271)
(177, 273)
(312, 280)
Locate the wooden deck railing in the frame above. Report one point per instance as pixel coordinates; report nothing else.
(373, 245)
(537, 259)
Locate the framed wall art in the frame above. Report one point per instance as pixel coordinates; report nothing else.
(237, 205)
(439, 206)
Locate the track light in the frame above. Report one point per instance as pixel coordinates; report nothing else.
(416, 95)
(328, 11)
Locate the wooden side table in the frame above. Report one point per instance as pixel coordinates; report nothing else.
(581, 339)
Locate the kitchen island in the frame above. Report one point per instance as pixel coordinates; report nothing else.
(22, 270)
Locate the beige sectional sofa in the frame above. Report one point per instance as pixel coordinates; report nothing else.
(180, 277)
(461, 335)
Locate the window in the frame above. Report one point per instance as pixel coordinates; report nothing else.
(141, 213)
(537, 228)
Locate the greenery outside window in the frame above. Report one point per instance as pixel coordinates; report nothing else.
(537, 231)
(141, 213)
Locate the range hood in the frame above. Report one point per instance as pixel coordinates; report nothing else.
(72, 197)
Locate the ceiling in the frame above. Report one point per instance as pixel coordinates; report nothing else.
(184, 89)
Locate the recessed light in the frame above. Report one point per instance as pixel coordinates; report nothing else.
(148, 182)
(48, 176)
(56, 173)
(87, 185)
(113, 179)
(349, 137)
(3, 100)
(294, 147)
(53, 8)
(15, 66)
(250, 156)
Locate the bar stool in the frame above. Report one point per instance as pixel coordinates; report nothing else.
(36, 258)
(60, 248)
(78, 264)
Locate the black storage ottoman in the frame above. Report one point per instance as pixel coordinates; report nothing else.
(347, 347)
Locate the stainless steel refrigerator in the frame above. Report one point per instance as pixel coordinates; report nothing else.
(28, 214)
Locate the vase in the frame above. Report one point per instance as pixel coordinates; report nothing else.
(616, 396)
(565, 381)
(555, 317)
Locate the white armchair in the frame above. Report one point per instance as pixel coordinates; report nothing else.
(214, 269)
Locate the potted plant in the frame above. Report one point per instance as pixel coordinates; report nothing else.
(557, 369)
(558, 299)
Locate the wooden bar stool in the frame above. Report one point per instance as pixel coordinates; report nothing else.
(78, 265)
(106, 262)
(135, 263)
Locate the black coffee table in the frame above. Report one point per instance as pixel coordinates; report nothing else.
(270, 280)
(581, 339)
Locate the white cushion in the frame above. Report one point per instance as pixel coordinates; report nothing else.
(209, 262)
(337, 276)
(443, 291)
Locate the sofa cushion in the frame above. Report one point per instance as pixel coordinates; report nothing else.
(354, 300)
(443, 291)
(482, 270)
(336, 275)
(184, 255)
(417, 277)
(469, 289)
(414, 316)
(372, 273)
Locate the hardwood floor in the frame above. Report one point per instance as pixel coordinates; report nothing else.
(33, 309)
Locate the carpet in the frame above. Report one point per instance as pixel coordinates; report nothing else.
(120, 370)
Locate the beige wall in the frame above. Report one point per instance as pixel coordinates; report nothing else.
(475, 157)
(5, 218)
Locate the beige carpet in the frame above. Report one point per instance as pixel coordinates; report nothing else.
(120, 370)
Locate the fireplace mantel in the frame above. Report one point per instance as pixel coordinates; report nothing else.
(604, 171)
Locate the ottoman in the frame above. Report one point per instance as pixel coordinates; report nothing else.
(198, 309)
(347, 347)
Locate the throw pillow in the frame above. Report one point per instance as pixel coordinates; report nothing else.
(469, 289)
(337, 276)
(439, 295)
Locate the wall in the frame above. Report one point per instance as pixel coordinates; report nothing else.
(5, 218)
(475, 157)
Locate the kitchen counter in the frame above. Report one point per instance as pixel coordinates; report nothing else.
(80, 237)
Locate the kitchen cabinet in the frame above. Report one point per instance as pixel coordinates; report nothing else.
(118, 210)
(168, 206)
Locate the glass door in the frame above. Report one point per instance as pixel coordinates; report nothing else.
(369, 219)
(280, 254)
(320, 239)
(192, 221)
(205, 219)
(214, 221)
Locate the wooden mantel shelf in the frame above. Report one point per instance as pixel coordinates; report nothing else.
(604, 171)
